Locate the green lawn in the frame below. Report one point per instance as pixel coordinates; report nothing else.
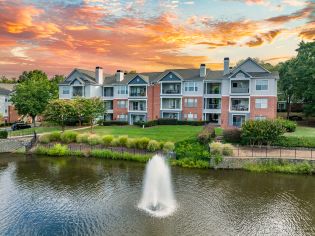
(172, 133)
(303, 131)
(38, 130)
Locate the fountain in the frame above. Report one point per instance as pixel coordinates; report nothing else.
(157, 196)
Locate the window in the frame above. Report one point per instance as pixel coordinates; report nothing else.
(122, 90)
(261, 84)
(190, 102)
(260, 118)
(108, 92)
(122, 117)
(122, 104)
(108, 105)
(6, 99)
(191, 87)
(190, 116)
(66, 91)
(261, 103)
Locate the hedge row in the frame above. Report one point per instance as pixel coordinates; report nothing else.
(169, 122)
(107, 140)
(3, 134)
(112, 122)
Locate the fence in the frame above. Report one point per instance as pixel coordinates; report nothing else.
(86, 147)
(274, 152)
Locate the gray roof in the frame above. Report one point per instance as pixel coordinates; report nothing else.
(4, 91)
(87, 76)
(7, 86)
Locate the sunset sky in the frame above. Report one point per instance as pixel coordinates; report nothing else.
(148, 35)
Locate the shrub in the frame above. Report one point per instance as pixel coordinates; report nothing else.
(68, 136)
(107, 140)
(82, 138)
(191, 163)
(259, 132)
(206, 134)
(291, 141)
(232, 135)
(216, 148)
(94, 139)
(218, 158)
(227, 149)
(153, 145)
(54, 136)
(288, 125)
(168, 147)
(58, 150)
(123, 140)
(192, 149)
(115, 142)
(162, 145)
(142, 143)
(169, 122)
(114, 122)
(45, 138)
(3, 134)
(119, 156)
(131, 143)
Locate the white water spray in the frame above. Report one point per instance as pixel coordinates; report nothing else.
(157, 196)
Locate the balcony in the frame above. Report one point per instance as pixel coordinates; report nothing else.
(212, 103)
(240, 86)
(108, 92)
(108, 105)
(137, 106)
(212, 88)
(239, 104)
(171, 88)
(171, 103)
(138, 91)
(77, 91)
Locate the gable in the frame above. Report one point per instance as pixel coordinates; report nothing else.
(170, 77)
(251, 66)
(76, 82)
(137, 80)
(72, 77)
(240, 75)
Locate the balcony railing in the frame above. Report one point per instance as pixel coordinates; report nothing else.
(170, 91)
(137, 94)
(240, 90)
(239, 107)
(213, 106)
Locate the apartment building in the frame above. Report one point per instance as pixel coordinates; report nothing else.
(7, 111)
(225, 97)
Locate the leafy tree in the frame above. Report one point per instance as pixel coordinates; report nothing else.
(54, 85)
(80, 110)
(90, 109)
(59, 111)
(32, 94)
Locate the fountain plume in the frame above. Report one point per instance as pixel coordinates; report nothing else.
(157, 196)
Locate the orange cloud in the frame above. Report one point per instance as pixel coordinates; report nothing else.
(262, 38)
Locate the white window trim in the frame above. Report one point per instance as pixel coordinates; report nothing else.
(230, 103)
(167, 109)
(138, 85)
(238, 115)
(171, 82)
(137, 100)
(261, 89)
(261, 103)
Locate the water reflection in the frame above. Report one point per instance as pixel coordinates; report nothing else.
(78, 196)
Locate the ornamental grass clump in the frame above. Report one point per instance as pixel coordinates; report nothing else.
(94, 139)
(82, 138)
(115, 143)
(142, 143)
(123, 140)
(44, 138)
(58, 150)
(68, 136)
(131, 143)
(216, 148)
(168, 147)
(55, 136)
(153, 146)
(107, 140)
(227, 149)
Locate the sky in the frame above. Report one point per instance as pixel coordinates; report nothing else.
(57, 36)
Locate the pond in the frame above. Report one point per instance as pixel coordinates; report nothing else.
(78, 196)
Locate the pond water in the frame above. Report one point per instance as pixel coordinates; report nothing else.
(76, 196)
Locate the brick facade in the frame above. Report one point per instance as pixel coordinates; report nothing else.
(225, 112)
(117, 110)
(13, 115)
(270, 112)
(154, 102)
(193, 110)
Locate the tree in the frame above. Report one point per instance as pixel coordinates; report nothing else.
(54, 85)
(59, 111)
(80, 110)
(32, 94)
(92, 108)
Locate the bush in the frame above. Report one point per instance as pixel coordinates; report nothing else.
(114, 122)
(216, 148)
(218, 158)
(123, 140)
(131, 143)
(227, 149)
(107, 140)
(115, 142)
(58, 150)
(232, 135)
(291, 141)
(45, 138)
(288, 125)
(142, 143)
(82, 138)
(94, 139)
(192, 149)
(191, 163)
(206, 134)
(119, 156)
(169, 122)
(168, 147)
(68, 136)
(3, 134)
(55, 136)
(153, 146)
(260, 132)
